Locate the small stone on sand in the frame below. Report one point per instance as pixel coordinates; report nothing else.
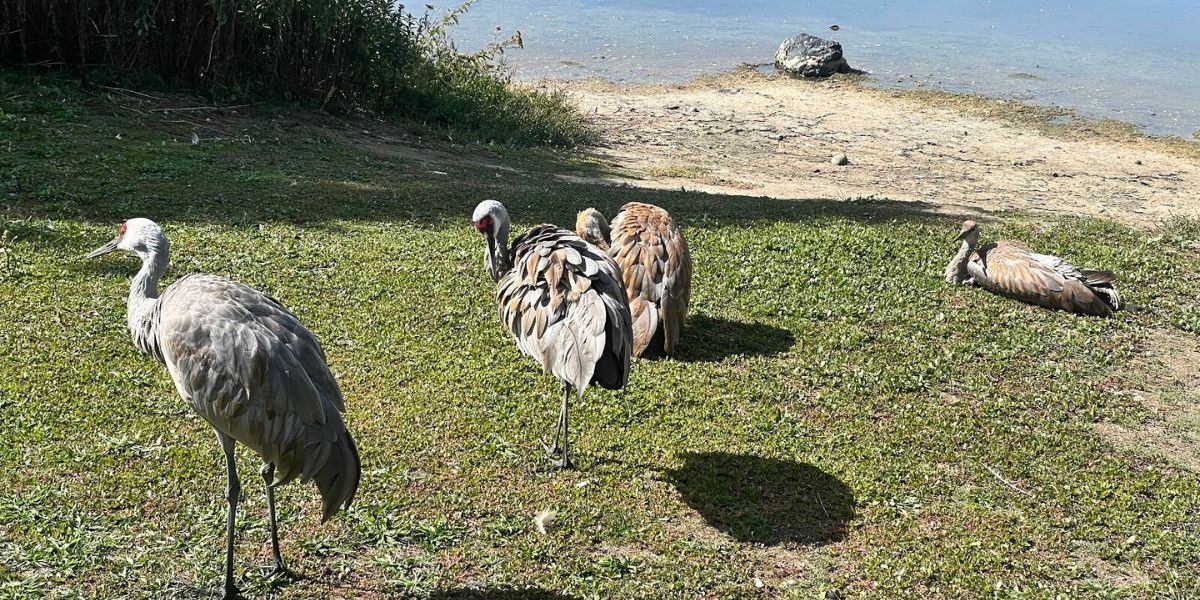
(839, 159)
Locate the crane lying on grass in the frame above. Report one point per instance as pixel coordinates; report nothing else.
(562, 299)
(656, 268)
(251, 370)
(1010, 268)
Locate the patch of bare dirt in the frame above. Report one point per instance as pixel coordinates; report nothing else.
(760, 135)
(1172, 432)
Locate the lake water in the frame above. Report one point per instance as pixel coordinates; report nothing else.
(1133, 61)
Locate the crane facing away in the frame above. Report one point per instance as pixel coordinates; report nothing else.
(563, 302)
(250, 369)
(1010, 268)
(656, 266)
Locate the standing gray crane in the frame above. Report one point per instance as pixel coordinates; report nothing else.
(563, 301)
(1010, 268)
(251, 370)
(656, 266)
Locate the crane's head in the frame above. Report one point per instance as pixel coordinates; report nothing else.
(491, 221)
(489, 217)
(142, 237)
(968, 233)
(593, 227)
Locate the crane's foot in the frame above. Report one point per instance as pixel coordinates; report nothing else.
(551, 451)
(278, 571)
(557, 454)
(231, 592)
(564, 462)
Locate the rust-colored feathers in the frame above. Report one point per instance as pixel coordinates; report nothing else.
(1012, 269)
(656, 269)
(593, 227)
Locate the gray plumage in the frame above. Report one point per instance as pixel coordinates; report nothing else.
(1012, 269)
(278, 399)
(563, 301)
(248, 367)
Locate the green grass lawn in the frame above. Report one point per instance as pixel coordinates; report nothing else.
(838, 422)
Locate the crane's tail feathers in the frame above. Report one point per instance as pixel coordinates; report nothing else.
(575, 350)
(1098, 277)
(671, 313)
(645, 325)
(610, 373)
(337, 479)
(1108, 295)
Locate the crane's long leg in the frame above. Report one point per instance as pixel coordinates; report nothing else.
(232, 492)
(564, 462)
(553, 449)
(268, 475)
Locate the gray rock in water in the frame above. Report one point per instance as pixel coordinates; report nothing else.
(810, 56)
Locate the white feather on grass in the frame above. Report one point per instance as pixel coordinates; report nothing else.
(544, 520)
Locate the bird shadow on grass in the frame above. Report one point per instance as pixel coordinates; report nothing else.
(710, 339)
(765, 500)
(498, 594)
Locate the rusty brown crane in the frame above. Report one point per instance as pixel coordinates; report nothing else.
(655, 265)
(251, 370)
(1010, 268)
(561, 298)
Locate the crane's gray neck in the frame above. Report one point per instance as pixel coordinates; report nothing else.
(496, 257)
(142, 313)
(956, 270)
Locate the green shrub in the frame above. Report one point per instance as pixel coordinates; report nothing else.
(339, 54)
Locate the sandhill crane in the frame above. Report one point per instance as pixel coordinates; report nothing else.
(250, 369)
(562, 299)
(656, 267)
(1012, 269)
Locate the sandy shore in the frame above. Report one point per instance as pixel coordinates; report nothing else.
(750, 134)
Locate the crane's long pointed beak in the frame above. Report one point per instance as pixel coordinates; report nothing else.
(105, 249)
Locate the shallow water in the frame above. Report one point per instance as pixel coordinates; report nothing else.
(1133, 61)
